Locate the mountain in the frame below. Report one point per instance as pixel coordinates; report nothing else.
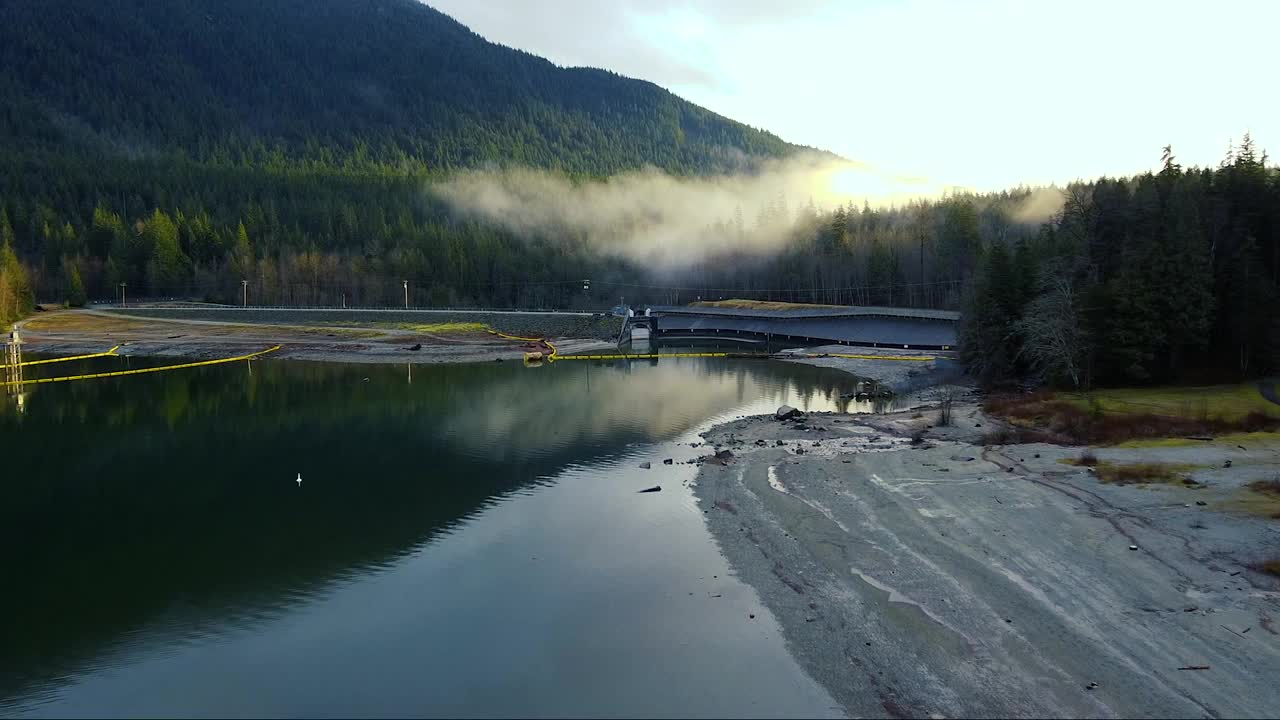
(331, 82)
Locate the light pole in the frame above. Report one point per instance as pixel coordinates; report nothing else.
(122, 304)
(245, 285)
(406, 294)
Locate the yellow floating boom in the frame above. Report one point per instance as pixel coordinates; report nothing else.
(139, 371)
(544, 341)
(109, 353)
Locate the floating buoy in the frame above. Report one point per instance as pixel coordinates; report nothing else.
(299, 479)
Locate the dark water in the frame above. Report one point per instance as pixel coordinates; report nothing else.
(469, 542)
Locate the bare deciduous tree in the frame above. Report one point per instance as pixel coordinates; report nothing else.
(1054, 343)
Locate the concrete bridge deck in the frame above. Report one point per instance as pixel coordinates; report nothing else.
(856, 326)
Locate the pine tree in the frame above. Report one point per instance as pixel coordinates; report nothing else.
(988, 331)
(76, 295)
(168, 269)
(1185, 301)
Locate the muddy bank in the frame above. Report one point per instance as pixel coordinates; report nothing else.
(948, 579)
(593, 326)
(81, 332)
(915, 371)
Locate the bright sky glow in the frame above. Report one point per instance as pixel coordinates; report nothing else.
(985, 94)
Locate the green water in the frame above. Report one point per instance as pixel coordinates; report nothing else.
(465, 541)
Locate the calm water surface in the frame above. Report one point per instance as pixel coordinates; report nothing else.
(468, 541)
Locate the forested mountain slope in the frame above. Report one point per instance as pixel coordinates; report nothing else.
(182, 145)
(331, 81)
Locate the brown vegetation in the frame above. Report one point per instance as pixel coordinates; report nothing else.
(1266, 487)
(1142, 473)
(1270, 567)
(1043, 417)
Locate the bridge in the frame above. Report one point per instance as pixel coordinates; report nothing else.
(863, 326)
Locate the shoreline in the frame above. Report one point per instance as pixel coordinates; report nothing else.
(69, 333)
(950, 579)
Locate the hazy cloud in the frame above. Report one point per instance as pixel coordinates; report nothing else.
(660, 219)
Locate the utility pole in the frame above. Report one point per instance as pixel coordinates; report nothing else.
(245, 285)
(406, 294)
(122, 303)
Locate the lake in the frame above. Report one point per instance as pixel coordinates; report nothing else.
(467, 540)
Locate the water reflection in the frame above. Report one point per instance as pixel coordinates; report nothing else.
(163, 507)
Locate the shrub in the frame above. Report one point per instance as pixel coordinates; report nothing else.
(945, 400)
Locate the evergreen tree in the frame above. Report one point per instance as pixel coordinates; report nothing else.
(989, 326)
(168, 269)
(76, 295)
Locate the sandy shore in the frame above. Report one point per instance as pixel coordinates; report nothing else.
(82, 332)
(917, 370)
(949, 579)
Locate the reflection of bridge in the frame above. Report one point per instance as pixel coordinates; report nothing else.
(859, 326)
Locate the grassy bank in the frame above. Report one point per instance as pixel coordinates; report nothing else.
(597, 327)
(1134, 416)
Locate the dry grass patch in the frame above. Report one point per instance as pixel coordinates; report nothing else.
(1065, 420)
(1230, 403)
(1266, 487)
(70, 322)
(1143, 473)
(1146, 473)
(1260, 497)
(445, 328)
(1248, 440)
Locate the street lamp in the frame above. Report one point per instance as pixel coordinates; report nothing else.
(406, 294)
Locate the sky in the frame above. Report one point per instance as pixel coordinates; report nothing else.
(982, 94)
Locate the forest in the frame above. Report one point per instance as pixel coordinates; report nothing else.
(1171, 276)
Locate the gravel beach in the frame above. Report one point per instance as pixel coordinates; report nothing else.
(948, 579)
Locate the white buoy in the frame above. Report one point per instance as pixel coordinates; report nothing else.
(299, 479)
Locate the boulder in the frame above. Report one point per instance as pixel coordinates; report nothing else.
(786, 412)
